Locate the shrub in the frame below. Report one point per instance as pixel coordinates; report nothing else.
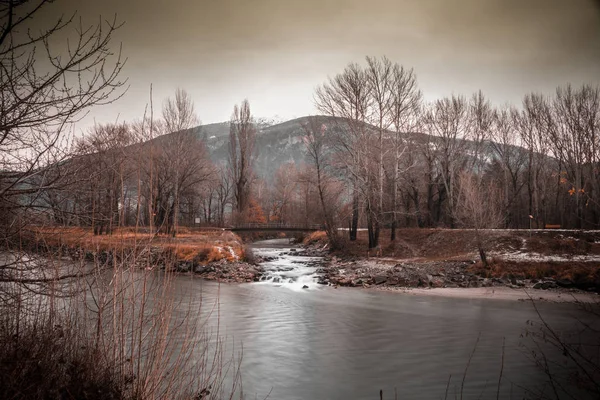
(113, 333)
(318, 237)
(42, 360)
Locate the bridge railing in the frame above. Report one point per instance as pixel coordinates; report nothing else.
(278, 225)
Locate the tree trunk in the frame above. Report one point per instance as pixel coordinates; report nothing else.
(372, 227)
(354, 221)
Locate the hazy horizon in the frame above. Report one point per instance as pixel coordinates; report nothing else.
(276, 53)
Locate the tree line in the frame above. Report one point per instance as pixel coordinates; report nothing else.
(458, 161)
(379, 157)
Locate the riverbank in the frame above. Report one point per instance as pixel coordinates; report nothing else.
(504, 293)
(563, 262)
(212, 254)
(557, 262)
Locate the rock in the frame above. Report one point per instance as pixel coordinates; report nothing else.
(200, 269)
(183, 267)
(305, 287)
(405, 282)
(393, 281)
(379, 279)
(548, 285)
(437, 283)
(566, 283)
(537, 285)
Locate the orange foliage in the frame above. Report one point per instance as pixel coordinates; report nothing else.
(201, 246)
(255, 213)
(215, 254)
(315, 237)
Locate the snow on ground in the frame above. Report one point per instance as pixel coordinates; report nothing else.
(531, 256)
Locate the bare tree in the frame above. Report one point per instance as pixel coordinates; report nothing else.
(380, 78)
(346, 96)
(172, 179)
(179, 117)
(447, 120)
(242, 136)
(223, 191)
(103, 161)
(481, 115)
(405, 119)
(283, 189)
(315, 140)
(574, 132)
(44, 90)
(533, 126)
(512, 159)
(477, 208)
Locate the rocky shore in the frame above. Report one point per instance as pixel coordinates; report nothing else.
(223, 271)
(157, 258)
(332, 270)
(418, 273)
(424, 274)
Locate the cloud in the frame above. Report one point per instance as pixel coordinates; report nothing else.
(275, 52)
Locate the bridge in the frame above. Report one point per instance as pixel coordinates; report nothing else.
(276, 226)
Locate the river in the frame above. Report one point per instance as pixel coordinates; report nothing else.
(327, 343)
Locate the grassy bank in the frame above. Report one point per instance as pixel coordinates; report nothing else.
(214, 254)
(203, 246)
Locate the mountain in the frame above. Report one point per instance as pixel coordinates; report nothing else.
(275, 145)
(282, 143)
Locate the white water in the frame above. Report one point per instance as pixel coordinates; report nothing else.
(287, 270)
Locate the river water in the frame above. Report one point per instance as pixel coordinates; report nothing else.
(326, 343)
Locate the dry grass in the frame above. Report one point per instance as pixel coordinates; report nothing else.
(318, 237)
(437, 244)
(412, 242)
(200, 246)
(580, 273)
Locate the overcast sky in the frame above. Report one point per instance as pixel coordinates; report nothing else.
(276, 52)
